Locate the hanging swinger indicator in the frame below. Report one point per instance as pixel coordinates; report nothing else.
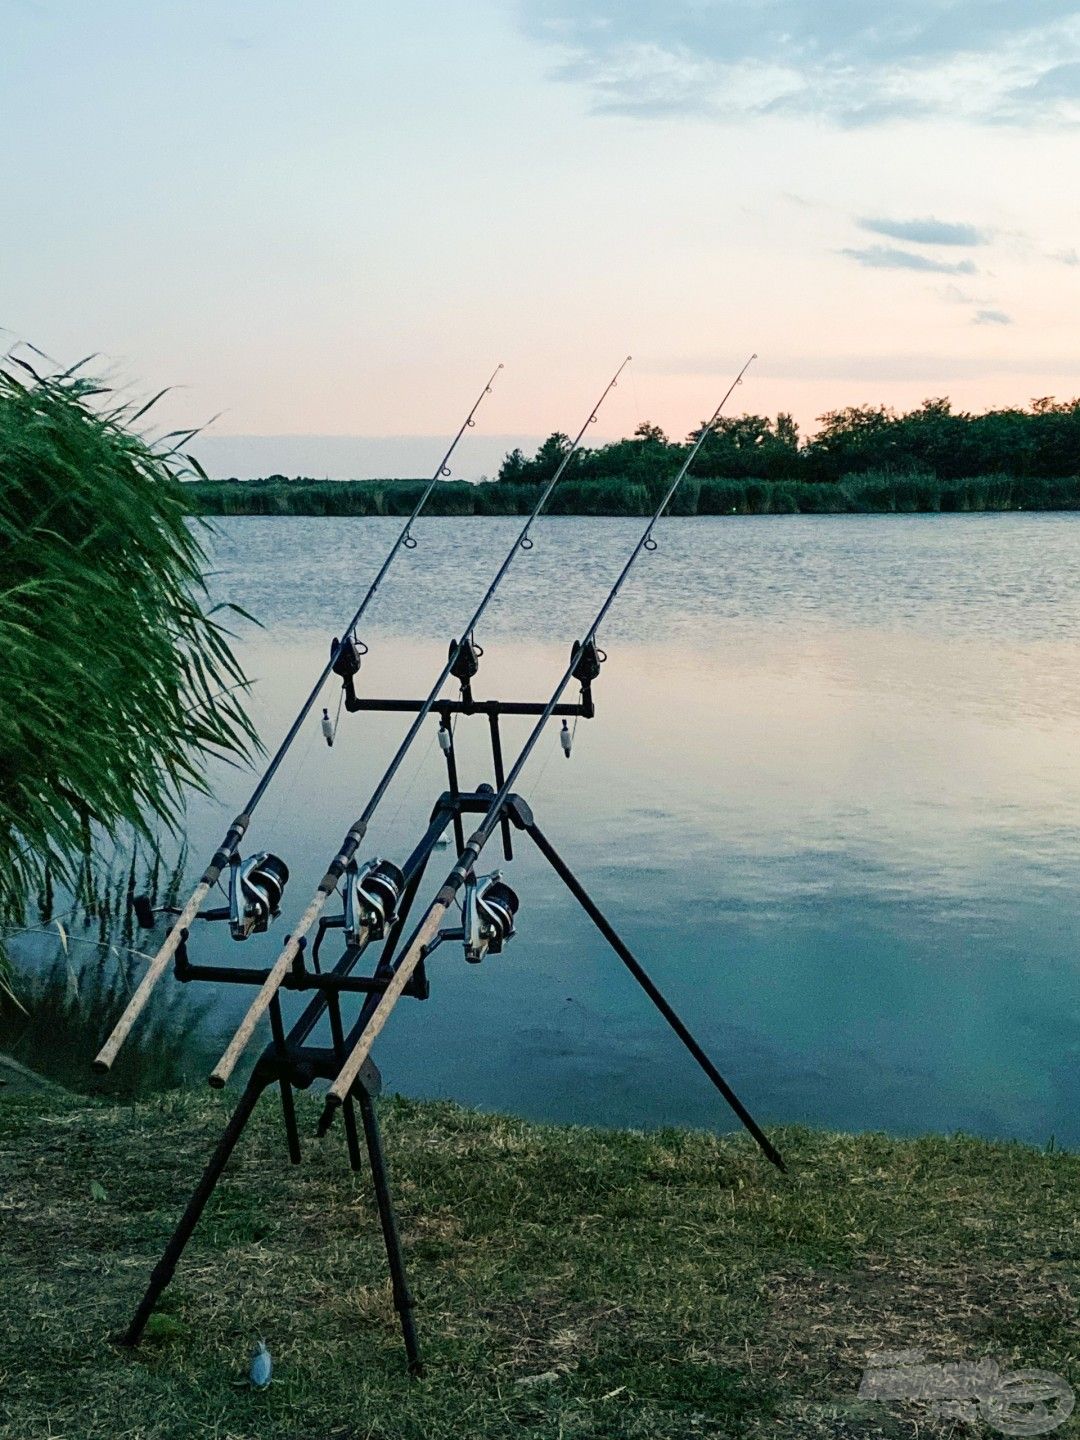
(487, 916)
(256, 886)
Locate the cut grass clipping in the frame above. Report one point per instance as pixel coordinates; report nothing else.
(117, 682)
(569, 1282)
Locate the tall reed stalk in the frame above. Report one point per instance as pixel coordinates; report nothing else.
(117, 680)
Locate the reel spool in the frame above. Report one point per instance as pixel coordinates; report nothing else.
(256, 886)
(488, 911)
(372, 892)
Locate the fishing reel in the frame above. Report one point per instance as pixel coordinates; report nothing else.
(256, 886)
(372, 892)
(487, 916)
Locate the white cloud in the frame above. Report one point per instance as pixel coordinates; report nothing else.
(926, 232)
(885, 257)
(857, 64)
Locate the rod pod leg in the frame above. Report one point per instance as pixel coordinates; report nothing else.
(164, 1270)
(288, 1104)
(403, 1300)
(352, 1140)
(641, 975)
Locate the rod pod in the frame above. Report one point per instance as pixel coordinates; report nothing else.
(356, 832)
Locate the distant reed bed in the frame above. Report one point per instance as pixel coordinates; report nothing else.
(871, 492)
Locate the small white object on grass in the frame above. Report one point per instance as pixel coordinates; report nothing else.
(261, 1367)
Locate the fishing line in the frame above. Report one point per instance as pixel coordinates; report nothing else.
(415, 776)
(286, 795)
(534, 792)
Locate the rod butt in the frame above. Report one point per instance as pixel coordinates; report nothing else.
(326, 1119)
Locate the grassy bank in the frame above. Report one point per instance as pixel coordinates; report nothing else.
(882, 493)
(569, 1282)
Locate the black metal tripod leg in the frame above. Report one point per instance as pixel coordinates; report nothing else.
(403, 1301)
(352, 1139)
(288, 1105)
(655, 995)
(500, 780)
(170, 1257)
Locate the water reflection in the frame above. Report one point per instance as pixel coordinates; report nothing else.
(832, 798)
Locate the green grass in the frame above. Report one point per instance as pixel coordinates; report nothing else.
(569, 1282)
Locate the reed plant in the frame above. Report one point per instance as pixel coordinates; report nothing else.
(117, 679)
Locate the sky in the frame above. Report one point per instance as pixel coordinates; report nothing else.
(324, 223)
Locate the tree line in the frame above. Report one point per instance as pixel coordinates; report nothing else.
(862, 459)
(933, 440)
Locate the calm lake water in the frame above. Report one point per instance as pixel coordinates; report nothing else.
(831, 797)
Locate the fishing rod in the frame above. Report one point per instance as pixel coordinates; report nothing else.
(584, 666)
(253, 896)
(374, 891)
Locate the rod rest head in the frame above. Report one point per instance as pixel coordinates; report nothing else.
(467, 660)
(346, 656)
(586, 660)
